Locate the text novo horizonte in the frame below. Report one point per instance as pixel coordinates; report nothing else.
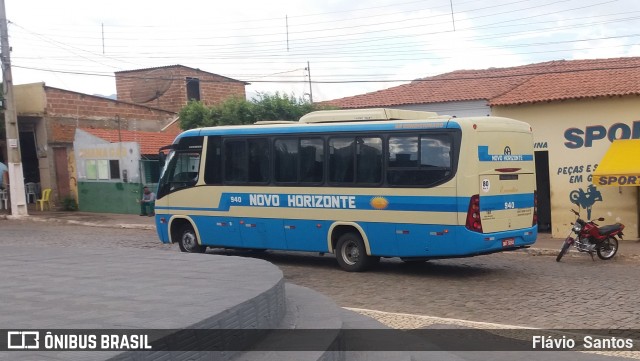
(303, 201)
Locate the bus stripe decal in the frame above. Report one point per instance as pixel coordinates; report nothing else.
(364, 202)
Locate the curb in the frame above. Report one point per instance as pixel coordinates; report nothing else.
(80, 223)
(571, 253)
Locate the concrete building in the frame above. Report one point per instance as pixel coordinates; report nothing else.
(113, 166)
(172, 87)
(148, 101)
(576, 108)
(47, 120)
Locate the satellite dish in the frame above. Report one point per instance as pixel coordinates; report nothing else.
(151, 86)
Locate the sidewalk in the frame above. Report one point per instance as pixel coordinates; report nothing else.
(106, 220)
(545, 244)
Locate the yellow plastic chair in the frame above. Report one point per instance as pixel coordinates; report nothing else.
(46, 193)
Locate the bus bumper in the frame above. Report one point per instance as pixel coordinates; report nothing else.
(162, 227)
(505, 241)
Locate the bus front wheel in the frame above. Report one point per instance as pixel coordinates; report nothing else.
(352, 254)
(188, 241)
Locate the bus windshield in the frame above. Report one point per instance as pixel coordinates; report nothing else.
(180, 171)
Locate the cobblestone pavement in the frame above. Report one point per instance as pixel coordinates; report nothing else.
(511, 288)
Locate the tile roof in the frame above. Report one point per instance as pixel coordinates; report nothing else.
(553, 80)
(149, 142)
(574, 85)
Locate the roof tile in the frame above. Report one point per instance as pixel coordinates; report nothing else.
(553, 80)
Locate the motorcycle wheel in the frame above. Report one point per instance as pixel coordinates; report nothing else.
(608, 249)
(563, 250)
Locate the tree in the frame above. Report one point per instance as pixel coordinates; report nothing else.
(233, 111)
(195, 114)
(236, 110)
(281, 107)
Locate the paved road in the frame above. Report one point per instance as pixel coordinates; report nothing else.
(514, 288)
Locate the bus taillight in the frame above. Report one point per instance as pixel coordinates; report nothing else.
(473, 215)
(535, 208)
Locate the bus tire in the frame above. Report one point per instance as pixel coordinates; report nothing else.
(188, 241)
(352, 254)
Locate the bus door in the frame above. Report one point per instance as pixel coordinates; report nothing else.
(261, 233)
(306, 235)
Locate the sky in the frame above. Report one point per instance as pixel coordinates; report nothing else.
(315, 49)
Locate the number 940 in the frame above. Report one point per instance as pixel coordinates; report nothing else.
(509, 205)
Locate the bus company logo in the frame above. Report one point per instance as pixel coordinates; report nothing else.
(379, 202)
(23, 340)
(507, 150)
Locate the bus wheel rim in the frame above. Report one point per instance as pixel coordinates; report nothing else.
(350, 253)
(188, 239)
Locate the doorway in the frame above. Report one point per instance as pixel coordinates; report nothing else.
(30, 162)
(544, 191)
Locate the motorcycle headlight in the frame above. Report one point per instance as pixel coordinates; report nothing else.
(577, 228)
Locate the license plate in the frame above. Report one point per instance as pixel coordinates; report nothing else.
(508, 242)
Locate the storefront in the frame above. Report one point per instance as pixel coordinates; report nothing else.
(620, 166)
(574, 135)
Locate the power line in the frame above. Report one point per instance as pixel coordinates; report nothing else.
(253, 52)
(423, 22)
(533, 72)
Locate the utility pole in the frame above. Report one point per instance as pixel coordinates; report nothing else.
(308, 69)
(16, 177)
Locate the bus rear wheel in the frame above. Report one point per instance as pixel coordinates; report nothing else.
(352, 254)
(188, 241)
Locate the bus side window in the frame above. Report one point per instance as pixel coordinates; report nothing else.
(213, 167)
(258, 161)
(235, 161)
(341, 160)
(311, 160)
(419, 161)
(403, 151)
(369, 160)
(286, 160)
(435, 151)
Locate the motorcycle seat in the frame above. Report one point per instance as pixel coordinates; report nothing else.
(609, 228)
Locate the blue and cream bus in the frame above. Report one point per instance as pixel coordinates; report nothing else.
(362, 184)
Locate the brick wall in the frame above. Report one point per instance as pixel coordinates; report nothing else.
(66, 110)
(140, 85)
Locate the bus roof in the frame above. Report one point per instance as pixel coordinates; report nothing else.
(352, 115)
(355, 120)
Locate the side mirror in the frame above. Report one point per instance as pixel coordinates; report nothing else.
(161, 156)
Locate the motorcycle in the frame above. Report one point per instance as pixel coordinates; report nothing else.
(590, 238)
